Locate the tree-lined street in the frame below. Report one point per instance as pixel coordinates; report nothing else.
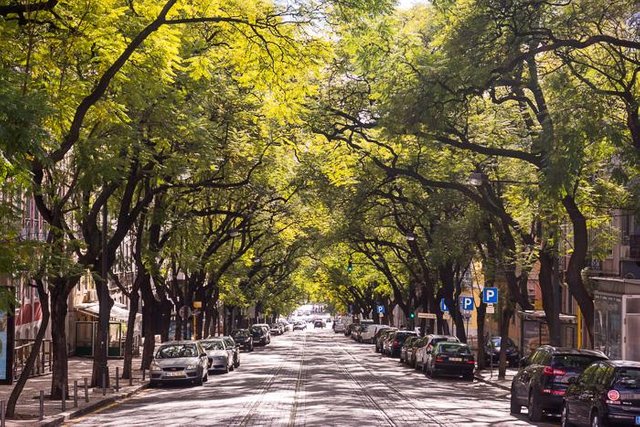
(316, 377)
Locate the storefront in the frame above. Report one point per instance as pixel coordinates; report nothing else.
(87, 329)
(534, 330)
(617, 317)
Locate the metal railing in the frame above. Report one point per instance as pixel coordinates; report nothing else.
(23, 350)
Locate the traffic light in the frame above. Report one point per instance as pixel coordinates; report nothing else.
(349, 267)
(412, 315)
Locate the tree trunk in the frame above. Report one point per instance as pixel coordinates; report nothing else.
(60, 367)
(31, 360)
(577, 262)
(549, 294)
(149, 306)
(134, 299)
(505, 319)
(101, 348)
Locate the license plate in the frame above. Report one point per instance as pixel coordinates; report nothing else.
(455, 359)
(174, 374)
(638, 420)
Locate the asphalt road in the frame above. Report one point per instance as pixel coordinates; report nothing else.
(316, 378)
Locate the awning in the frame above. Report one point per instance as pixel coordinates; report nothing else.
(119, 312)
(541, 316)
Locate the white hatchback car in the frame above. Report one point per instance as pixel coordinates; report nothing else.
(369, 331)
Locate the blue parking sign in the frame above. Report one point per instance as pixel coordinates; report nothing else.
(466, 303)
(381, 309)
(443, 305)
(490, 295)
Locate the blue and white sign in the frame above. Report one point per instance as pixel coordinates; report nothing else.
(381, 309)
(466, 303)
(490, 295)
(443, 306)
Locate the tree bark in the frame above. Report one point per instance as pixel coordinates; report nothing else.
(60, 367)
(31, 360)
(101, 347)
(134, 300)
(549, 294)
(577, 262)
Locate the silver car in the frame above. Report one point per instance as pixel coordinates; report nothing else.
(179, 361)
(220, 355)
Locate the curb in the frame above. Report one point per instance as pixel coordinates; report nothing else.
(492, 383)
(57, 420)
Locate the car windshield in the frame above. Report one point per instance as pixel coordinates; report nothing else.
(453, 348)
(173, 351)
(628, 378)
(257, 329)
(212, 345)
(239, 333)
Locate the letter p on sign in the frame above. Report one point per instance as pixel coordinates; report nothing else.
(490, 295)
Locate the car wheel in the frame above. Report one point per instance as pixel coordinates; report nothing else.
(226, 368)
(535, 411)
(206, 377)
(232, 367)
(468, 377)
(153, 384)
(514, 407)
(199, 381)
(564, 417)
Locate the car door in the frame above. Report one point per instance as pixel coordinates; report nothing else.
(582, 394)
(522, 380)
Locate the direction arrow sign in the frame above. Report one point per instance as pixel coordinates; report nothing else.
(490, 295)
(443, 306)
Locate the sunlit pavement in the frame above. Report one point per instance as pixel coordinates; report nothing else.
(316, 377)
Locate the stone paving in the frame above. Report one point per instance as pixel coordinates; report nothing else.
(28, 408)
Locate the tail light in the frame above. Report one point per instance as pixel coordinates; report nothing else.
(471, 362)
(613, 395)
(439, 359)
(548, 370)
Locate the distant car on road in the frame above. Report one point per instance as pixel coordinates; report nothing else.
(179, 361)
(243, 338)
(492, 351)
(451, 358)
(394, 341)
(606, 393)
(544, 376)
(260, 334)
(319, 323)
(220, 354)
(299, 326)
(338, 326)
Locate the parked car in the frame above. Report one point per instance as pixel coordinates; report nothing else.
(338, 326)
(405, 347)
(299, 326)
(410, 358)
(381, 336)
(220, 354)
(451, 358)
(260, 334)
(393, 342)
(423, 353)
(606, 393)
(276, 329)
(179, 361)
(544, 376)
(319, 323)
(369, 331)
(492, 351)
(349, 329)
(231, 344)
(243, 338)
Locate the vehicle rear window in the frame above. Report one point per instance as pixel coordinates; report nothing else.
(628, 378)
(576, 361)
(453, 348)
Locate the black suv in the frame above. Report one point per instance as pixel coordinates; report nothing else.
(260, 335)
(543, 378)
(492, 351)
(243, 337)
(607, 393)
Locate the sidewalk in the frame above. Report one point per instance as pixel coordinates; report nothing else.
(28, 407)
(491, 378)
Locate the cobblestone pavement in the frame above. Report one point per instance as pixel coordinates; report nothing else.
(316, 378)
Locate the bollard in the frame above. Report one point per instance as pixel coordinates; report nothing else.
(2, 413)
(86, 390)
(75, 393)
(144, 371)
(117, 379)
(104, 384)
(41, 415)
(64, 397)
